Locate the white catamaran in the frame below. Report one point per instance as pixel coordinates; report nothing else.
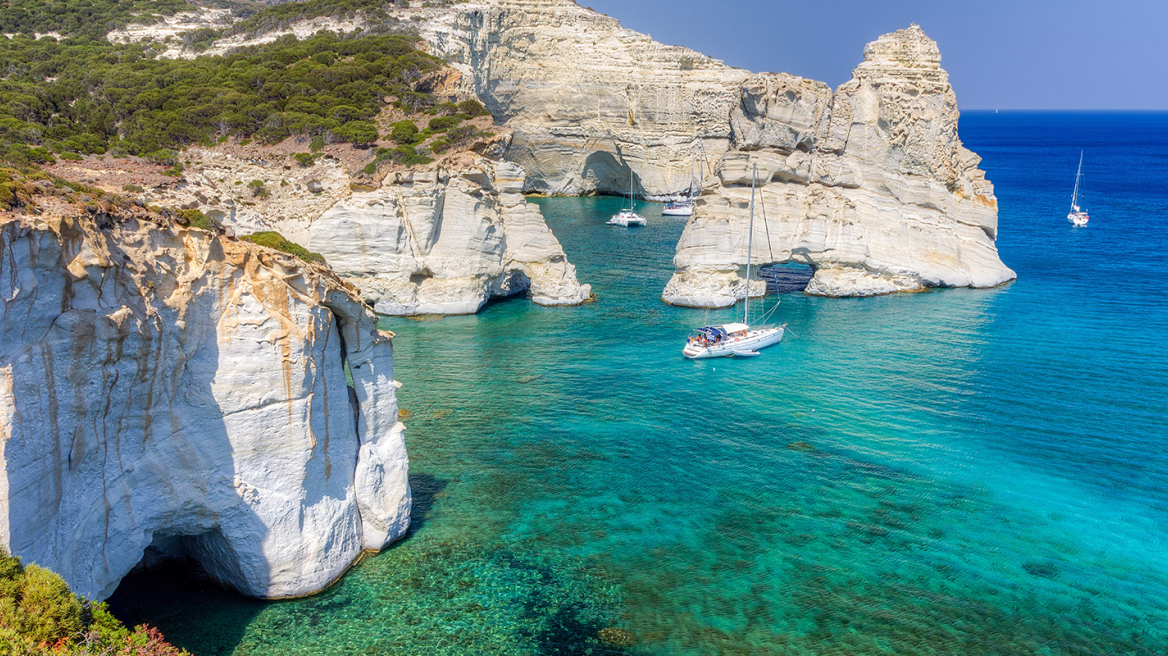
(1077, 216)
(628, 217)
(735, 339)
(686, 207)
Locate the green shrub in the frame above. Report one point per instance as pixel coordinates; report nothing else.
(442, 123)
(164, 157)
(132, 188)
(277, 241)
(473, 108)
(370, 168)
(359, 133)
(36, 604)
(196, 219)
(408, 156)
(404, 132)
(317, 144)
(305, 159)
(73, 157)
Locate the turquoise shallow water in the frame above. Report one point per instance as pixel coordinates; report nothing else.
(958, 471)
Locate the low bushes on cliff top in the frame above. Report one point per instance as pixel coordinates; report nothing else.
(92, 18)
(39, 615)
(84, 95)
(275, 240)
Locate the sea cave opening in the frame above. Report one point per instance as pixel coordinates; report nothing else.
(786, 277)
(170, 584)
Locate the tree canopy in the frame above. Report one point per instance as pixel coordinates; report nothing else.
(85, 95)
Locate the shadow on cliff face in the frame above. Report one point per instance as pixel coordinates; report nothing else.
(122, 372)
(608, 176)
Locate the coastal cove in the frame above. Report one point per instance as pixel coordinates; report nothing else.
(967, 471)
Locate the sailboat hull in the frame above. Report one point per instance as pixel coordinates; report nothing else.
(753, 340)
(677, 209)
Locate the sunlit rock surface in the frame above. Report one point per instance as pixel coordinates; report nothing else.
(443, 241)
(870, 186)
(168, 392)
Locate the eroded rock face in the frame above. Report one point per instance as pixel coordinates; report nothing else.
(437, 239)
(442, 241)
(870, 185)
(588, 101)
(165, 391)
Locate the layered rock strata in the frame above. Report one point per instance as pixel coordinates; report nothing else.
(590, 103)
(440, 241)
(168, 392)
(870, 186)
(437, 239)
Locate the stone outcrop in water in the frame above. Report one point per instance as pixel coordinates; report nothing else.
(870, 186)
(435, 239)
(443, 241)
(167, 392)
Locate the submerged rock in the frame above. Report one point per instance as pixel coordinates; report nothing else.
(167, 392)
(617, 637)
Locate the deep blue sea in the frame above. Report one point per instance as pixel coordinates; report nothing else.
(952, 472)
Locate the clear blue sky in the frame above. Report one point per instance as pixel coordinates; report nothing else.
(1007, 54)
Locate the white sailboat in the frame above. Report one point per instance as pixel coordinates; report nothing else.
(686, 207)
(1077, 216)
(628, 217)
(735, 339)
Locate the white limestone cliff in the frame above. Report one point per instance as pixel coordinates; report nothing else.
(870, 186)
(588, 101)
(168, 392)
(436, 239)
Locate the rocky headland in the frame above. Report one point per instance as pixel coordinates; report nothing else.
(869, 185)
(166, 391)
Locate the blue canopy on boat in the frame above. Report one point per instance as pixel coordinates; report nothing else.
(713, 332)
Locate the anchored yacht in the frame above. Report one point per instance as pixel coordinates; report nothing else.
(628, 216)
(735, 339)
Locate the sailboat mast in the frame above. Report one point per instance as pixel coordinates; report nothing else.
(632, 198)
(1075, 195)
(749, 246)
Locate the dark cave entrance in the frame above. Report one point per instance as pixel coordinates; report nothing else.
(786, 278)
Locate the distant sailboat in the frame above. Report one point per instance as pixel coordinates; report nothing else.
(735, 339)
(628, 216)
(1077, 215)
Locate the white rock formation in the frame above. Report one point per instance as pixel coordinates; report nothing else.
(588, 101)
(437, 241)
(164, 391)
(870, 186)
